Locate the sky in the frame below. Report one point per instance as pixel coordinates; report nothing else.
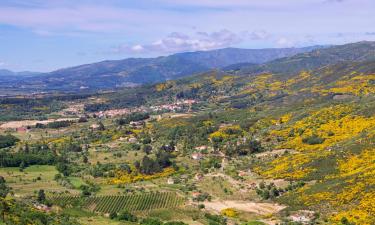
(45, 35)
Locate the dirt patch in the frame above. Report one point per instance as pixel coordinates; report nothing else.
(253, 207)
(25, 123)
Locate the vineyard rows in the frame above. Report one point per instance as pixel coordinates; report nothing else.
(117, 203)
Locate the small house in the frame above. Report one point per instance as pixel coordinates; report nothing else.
(197, 156)
(242, 173)
(94, 126)
(170, 181)
(195, 194)
(21, 130)
(133, 140)
(201, 148)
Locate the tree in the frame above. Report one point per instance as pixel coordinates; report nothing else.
(85, 159)
(266, 194)
(8, 140)
(151, 221)
(22, 166)
(125, 167)
(82, 119)
(146, 140)
(63, 168)
(175, 223)
(4, 189)
(127, 216)
(112, 215)
(26, 148)
(85, 190)
(255, 146)
(149, 166)
(147, 149)
(274, 192)
(137, 165)
(345, 221)
(101, 126)
(163, 159)
(4, 208)
(41, 196)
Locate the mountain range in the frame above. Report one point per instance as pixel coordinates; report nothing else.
(353, 52)
(136, 71)
(112, 74)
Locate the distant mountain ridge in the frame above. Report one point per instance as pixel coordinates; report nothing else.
(136, 71)
(354, 52)
(5, 72)
(7, 76)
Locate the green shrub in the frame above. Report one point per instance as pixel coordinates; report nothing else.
(127, 216)
(8, 140)
(313, 140)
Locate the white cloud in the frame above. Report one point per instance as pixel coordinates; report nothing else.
(285, 42)
(199, 41)
(137, 48)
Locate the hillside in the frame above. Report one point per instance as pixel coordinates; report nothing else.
(284, 147)
(355, 52)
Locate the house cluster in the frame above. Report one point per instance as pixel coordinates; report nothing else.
(178, 105)
(119, 112)
(112, 113)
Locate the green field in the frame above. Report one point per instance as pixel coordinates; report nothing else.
(76, 181)
(32, 178)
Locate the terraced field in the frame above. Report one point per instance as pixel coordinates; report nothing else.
(116, 203)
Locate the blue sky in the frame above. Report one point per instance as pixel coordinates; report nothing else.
(44, 35)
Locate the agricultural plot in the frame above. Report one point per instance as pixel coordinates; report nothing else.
(36, 177)
(117, 203)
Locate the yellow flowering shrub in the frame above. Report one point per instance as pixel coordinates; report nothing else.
(227, 132)
(229, 212)
(288, 166)
(363, 164)
(285, 118)
(315, 198)
(358, 85)
(164, 86)
(333, 124)
(123, 177)
(304, 75)
(225, 80)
